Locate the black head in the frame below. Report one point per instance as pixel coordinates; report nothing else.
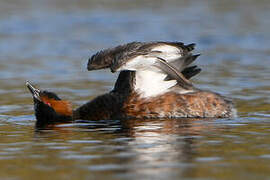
(49, 108)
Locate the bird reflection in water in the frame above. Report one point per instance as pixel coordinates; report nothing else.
(166, 144)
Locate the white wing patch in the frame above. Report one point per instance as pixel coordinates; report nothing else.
(138, 63)
(150, 79)
(149, 83)
(170, 53)
(167, 49)
(142, 62)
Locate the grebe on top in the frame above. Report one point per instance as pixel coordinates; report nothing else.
(154, 82)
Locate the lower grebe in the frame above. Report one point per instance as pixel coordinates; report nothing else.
(154, 82)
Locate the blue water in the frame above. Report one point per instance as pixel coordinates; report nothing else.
(49, 43)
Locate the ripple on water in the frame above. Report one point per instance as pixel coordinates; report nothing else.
(79, 124)
(13, 149)
(80, 156)
(122, 139)
(265, 156)
(50, 144)
(24, 120)
(208, 159)
(125, 154)
(59, 147)
(262, 114)
(106, 167)
(37, 156)
(84, 141)
(235, 63)
(7, 157)
(103, 148)
(213, 142)
(8, 108)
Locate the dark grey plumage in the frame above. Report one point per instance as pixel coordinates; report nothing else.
(105, 58)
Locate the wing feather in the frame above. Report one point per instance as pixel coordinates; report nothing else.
(116, 57)
(173, 73)
(191, 71)
(181, 63)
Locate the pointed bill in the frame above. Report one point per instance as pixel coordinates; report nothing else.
(34, 91)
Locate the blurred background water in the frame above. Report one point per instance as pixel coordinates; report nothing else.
(49, 42)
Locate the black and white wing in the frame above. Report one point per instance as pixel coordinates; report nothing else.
(171, 59)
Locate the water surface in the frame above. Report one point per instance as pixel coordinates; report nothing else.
(49, 42)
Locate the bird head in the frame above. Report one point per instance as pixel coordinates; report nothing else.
(49, 108)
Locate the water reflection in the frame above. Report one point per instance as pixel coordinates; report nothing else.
(165, 145)
(49, 42)
(144, 145)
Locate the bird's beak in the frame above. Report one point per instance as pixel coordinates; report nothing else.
(34, 91)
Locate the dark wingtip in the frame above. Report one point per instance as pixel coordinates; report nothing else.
(98, 61)
(191, 46)
(191, 71)
(93, 63)
(198, 70)
(196, 56)
(89, 65)
(113, 70)
(194, 73)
